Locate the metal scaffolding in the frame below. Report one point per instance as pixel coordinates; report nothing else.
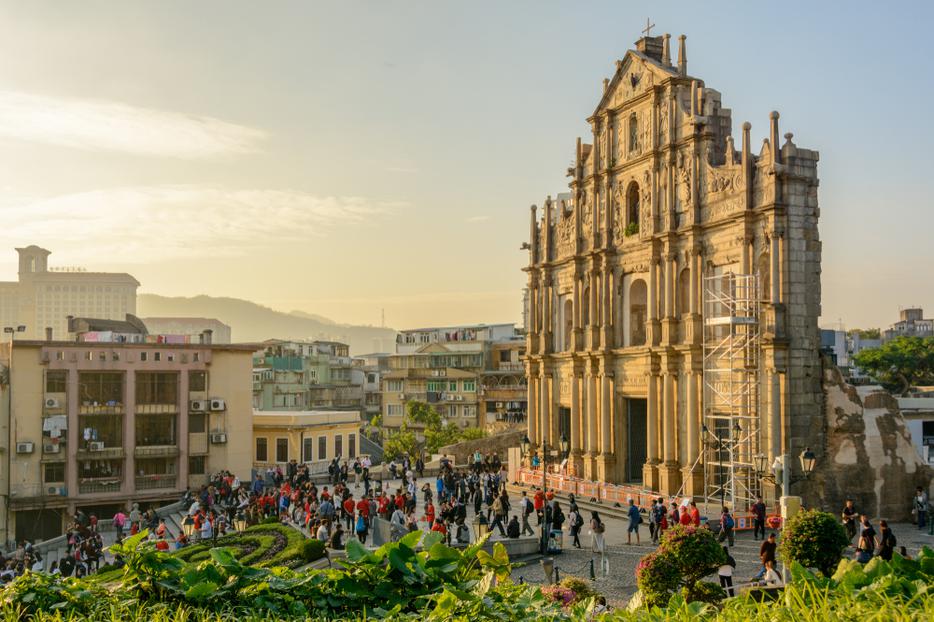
(732, 361)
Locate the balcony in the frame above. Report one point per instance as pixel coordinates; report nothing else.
(511, 367)
(85, 452)
(94, 485)
(156, 409)
(112, 408)
(155, 482)
(156, 451)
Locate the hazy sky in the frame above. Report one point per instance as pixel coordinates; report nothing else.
(343, 157)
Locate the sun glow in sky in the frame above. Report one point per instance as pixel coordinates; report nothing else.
(343, 158)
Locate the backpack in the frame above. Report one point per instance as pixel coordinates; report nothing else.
(578, 520)
(728, 521)
(361, 524)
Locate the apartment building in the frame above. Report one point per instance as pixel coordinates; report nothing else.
(96, 425)
(504, 390)
(374, 366)
(449, 369)
(911, 323)
(311, 437)
(299, 375)
(191, 327)
(43, 297)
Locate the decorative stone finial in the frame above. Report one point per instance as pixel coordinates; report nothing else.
(666, 49)
(682, 56)
(747, 126)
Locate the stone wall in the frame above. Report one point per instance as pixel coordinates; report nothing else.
(500, 443)
(868, 455)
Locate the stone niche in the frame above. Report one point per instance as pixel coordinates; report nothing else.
(869, 456)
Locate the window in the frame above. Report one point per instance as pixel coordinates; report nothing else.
(351, 445)
(633, 132)
(100, 389)
(505, 356)
(306, 450)
(155, 430)
(157, 356)
(470, 386)
(197, 465)
(452, 386)
(261, 453)
(196, 357)
(322, 448)
(197, 381)
(157, 388)
(436, 386)
(55, 381)
(632, 209)
(197, 423)
(394, 386)
(282, 450)
(143, 357)
(54, 472)
(394, 410)
(338, 445)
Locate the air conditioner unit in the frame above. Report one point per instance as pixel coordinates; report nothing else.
(24, 448)
(459, 398)
(499, 404)
(402, 396)
(51, 448)
(55, 491)
(218, 438)
(218, 404)
(197, 406)
(449, 397)
(441, 372)
(435, 373)
(96, 446)
(51, 402)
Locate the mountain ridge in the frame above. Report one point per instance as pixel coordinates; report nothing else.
(253, 322)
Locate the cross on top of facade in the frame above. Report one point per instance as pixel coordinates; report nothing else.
(648, 27)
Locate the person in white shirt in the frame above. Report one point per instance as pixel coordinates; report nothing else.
(397, 524)
(323, 534)
(725, 572)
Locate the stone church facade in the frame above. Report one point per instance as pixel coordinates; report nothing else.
(661, 198)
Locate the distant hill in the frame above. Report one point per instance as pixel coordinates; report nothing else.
(253, 322)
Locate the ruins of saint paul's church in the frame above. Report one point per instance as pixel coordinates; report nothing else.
(674, 291)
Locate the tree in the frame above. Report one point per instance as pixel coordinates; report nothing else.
(867, 333)
(400, 443)
(814, 539)
(901, 363)
(422, 413)
(685, 556)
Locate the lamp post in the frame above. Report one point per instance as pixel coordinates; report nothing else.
(526, 446)
(11, 331)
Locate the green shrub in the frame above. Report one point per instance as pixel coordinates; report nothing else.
(312, 550)
(658, 577)
(695, 550)
(814, 539)
(582, 588)
(703, 592)
(270, 520)
(631, 229)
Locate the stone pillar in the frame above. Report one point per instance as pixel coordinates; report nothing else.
(606, 458)
(592, 448)
(606, 337)
(775, 415)
(545, 407)
(693, 474)
(576, 342)
(575, 439)
(593, 337)
(668, 326)
(669, 473)
(533, 408)
(650, 469)
(775, 272)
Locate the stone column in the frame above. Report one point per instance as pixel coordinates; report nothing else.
(669, 473)
(650, 469)
(606, 459)
(606, 338)
(775, 272)
(545, 408)
(533, 408)
(592, 448)
(652, 332)
(692, 471)
(575, 424)
(594, 310)
(775, 415)
(576, 322)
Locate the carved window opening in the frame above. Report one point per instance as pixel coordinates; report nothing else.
(619, 334)
(684, 292)
(633, 132)
(568, 323)
(638, 305)
(632, 208)
(585, 304)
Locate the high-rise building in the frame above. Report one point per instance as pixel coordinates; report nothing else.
(44, 297)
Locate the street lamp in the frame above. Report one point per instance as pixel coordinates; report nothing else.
(526, 446)
(240, 522)
(808, 461)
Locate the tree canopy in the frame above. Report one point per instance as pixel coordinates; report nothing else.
(900, 363)
(437, 432)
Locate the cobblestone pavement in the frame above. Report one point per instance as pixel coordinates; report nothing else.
(619, 583)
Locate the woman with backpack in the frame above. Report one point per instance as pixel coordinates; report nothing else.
(597, 528)
(576, 522)
(887, 541)
(361, 528)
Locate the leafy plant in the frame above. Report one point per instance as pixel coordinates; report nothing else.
(581, 587)
(658, 577)
(900, 363)
(631, 229)
(813, 539)
(685, 555)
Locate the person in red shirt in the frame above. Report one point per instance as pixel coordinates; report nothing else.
(349, 506)
(161, 544)
(383, 505)
(400, 502)
(539, 503)
(430, 513)
(685, 517)
(695, 514)
(325, 494)
(363, 508)
(439, 527)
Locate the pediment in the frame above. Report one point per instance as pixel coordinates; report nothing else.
(432, 348)
(635, 74)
